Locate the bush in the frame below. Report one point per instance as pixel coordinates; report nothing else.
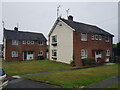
(88, 61)
(114, 59)
(72, 63)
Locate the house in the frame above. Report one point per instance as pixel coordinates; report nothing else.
(1, 50)
(70, 40)
(21, 45)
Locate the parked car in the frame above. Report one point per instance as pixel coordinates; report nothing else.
(3, 79)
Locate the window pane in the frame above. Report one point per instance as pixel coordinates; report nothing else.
(83, 36)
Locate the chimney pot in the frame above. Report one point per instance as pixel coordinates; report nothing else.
(70, 18)
(16, 28)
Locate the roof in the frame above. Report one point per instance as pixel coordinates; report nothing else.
(21, 35)
(82, 27)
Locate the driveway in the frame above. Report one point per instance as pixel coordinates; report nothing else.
(24, 83)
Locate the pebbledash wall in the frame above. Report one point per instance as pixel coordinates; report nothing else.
(64, 44)
(89, 45)
(23, 47)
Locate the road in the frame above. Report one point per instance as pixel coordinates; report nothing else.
(24, 83)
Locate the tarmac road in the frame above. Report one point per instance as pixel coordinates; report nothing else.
(24, 83)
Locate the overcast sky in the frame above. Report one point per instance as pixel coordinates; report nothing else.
(40, 16)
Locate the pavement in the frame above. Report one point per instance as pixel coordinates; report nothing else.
(105, 83)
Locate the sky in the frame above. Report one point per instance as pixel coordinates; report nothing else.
(40, 16)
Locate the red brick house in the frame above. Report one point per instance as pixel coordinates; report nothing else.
(68, 39)
(20, 45)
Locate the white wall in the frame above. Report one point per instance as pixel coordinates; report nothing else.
(64, 43)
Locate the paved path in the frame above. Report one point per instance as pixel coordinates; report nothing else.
(105, 83)
(49, 72)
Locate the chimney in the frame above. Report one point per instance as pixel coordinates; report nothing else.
(70, 18)
(16, 28)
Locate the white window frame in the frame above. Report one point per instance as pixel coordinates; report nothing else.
(108, 39)
(40, 53)
(96, 37)
(100, 37)
(14, 53)
(83, 36)
(15, 42)
(83, 53)
(53, 51)
(40, 43)
(92, 37)
(28, 42)
(55, 41)
(108, 52)
(24, 42)
(32, 42)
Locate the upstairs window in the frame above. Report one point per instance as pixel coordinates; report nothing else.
(15, 42)
(96, 37)
(32, 42)
(24, 42)
(83, 53)
(54, 53)
(54, 38)
(100, 37)
(40, 42)
(107, 39)
(107, 52)
(83, 36)
(92, 37)
(14, 54)
(28, 42)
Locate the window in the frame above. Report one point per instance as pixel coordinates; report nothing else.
(54, 38)
(107, 39)
(28, 42)
(32, 42)
(14, 54)
(83, 53)
(40, 53)
(40, 42)
(14, 42)
(92, 37)
(83, 37)
(30, 52)
(98, 52)
(24, 42)
(100, 37)
(54, 52)
(107, 52)
(96, 37)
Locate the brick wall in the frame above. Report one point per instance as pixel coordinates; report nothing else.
(89, 45)
(23, 47)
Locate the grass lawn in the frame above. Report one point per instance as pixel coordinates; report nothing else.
(27, 67)
(117, 85)
(78, 78)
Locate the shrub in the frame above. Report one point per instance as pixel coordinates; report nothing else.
(88, 61)
(114, 59)
(100, 61)
(72, 63)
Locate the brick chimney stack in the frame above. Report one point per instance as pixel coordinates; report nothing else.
(70, 18)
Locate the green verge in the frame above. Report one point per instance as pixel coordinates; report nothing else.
(36, 66)
(78, 78)
(117, 85)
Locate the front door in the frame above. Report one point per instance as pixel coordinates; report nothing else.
(98, 54)
(30, 55)
(25, 55)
